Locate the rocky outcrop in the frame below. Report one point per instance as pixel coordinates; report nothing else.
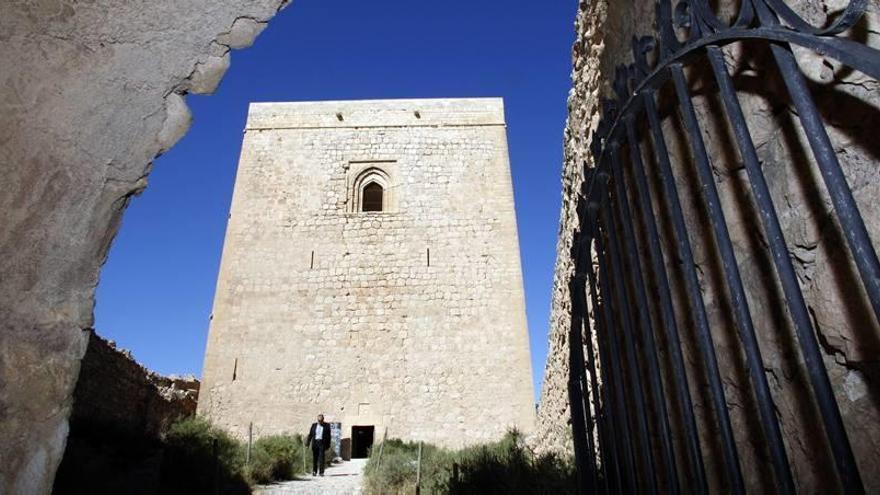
(92, 92)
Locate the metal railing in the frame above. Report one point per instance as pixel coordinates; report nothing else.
(623, 444)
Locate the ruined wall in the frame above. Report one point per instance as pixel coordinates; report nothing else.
(847, 331)
(410, 319)
(92, 91)
(116, 390)
(120, 411)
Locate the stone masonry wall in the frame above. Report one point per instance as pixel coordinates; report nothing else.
(89, 94)
(411, 319)
(846, 329)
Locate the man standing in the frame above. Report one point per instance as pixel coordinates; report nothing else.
(319, 441)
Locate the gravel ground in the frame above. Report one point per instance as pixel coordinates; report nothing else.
(340, 479)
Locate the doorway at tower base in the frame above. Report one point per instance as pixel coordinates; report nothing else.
(361, 441)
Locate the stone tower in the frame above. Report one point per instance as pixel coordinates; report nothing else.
(371, 272)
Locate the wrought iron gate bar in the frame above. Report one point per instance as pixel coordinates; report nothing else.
(579, 408)
(629, 482)
(607, 443)
(841, 195)
(697, 305)
(646, 332)
(667, 313)
(624, 328)
(833, 423)
(619, 289)
(736, 291)
(585, 260)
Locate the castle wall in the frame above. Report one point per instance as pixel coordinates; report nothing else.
(412, 319)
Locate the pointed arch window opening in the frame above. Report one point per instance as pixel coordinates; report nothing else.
(373, 196)
(372, 192)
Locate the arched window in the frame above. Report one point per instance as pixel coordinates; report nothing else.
(372, 192)
(372, 197)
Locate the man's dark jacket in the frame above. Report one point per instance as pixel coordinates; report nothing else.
(325, 438)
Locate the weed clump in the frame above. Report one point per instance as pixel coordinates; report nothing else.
(276, 458)
(507, 466)
(199, 457)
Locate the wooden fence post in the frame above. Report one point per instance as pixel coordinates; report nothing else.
(247, 457)
(215, 450)
(305, 467)
(419, 471)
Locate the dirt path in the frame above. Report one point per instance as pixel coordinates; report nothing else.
(340, 479)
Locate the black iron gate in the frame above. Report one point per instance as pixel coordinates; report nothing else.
(621, 425)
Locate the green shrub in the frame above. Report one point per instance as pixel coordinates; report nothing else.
(508, 466)
(198, 457)
(505, 467)
(394, 470)
(276, 458)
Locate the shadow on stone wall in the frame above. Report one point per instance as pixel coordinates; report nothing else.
(120, 412)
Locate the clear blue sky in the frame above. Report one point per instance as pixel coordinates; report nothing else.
(157, 287)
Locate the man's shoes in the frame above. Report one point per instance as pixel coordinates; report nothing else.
(322, 474)
(314, 473)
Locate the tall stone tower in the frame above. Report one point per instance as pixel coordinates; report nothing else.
(371, 272)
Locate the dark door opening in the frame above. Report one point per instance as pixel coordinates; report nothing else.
(361, 441)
